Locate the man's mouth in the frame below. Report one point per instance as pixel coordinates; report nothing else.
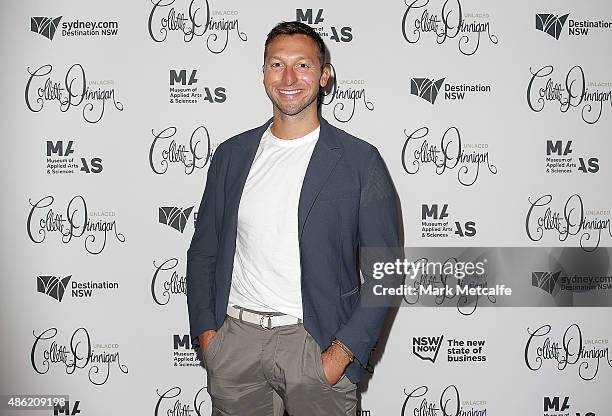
(289, 93)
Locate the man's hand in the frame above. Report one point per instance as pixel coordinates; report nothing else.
(205, 338)
(334, 361)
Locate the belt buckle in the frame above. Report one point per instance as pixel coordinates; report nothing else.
(261, 321)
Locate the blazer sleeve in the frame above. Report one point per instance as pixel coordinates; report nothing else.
(379, 229)
(202, 260)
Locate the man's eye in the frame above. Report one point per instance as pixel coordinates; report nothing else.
(275, 65)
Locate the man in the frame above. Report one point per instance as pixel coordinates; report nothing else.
(274, 294)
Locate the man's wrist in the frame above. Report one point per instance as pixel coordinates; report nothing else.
(345, 350)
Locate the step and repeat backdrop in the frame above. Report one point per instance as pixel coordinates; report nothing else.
(493, 118)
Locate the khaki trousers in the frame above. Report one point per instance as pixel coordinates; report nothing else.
(258, 372)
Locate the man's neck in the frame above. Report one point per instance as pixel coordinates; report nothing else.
(292, 127)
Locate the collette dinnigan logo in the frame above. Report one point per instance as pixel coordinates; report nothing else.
(429, 89)
(554, 24)
(165, 151)
(345, 96)
(572, 349)
(195, 20)
(94, 227)
(78, 354)
(418, 403)
(73, 91)
(589, 226)
(171, 403)
(571, 92)
(167, 282)
(466, 158)
(447, 21)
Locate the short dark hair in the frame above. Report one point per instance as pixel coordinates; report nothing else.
(296, 28)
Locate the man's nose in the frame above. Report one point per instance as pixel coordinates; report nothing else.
(289, 76)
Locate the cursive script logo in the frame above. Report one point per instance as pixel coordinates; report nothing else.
(449, 403)
(571, 93)
(572, 221)
(73, 92)
(450, 23)
(344, 96)
(176, 407)
(451, 154)
(570, 351)
(164, 152)
(173, 285)
(199, 21)
(78, 354)
(76, 224)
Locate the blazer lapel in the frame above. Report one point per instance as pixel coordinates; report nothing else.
(324, 158)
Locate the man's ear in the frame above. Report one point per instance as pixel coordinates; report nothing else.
(325, 74)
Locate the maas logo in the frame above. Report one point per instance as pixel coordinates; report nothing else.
(184, 91)
(79, 222)
(572, 220)
(546, 281)
(560, 161)
(436, 222)
(429, 88)
(550, 23)
(345, 94)
(450, 22)
(75, 91)
(558, 406)
(198, 21)
(167, 281)
(64, 408)
(170, 403)
(195, 155)
(466, 158)
(60, 160)
(183, 354)
(339, 34)
(571, 92)
(175, 217)
(52, 286)
(426, 88)
(79, 354)
(45, 26)
(427, 348)
(572, 349)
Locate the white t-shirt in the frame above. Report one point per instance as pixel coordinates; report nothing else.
(267, 274)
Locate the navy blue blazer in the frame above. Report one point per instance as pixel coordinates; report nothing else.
(347, 201)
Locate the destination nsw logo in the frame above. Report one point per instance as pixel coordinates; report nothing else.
(175, 217)
(94, 227)
(447, 20)
(76, 355)
(572, 220)
(345, 96)
(466, 158)
(73, 91)
(165, 150)
(194, 20)
(555, 282)
(572, 349)
(553, 25)
(55, 287)
(429, 89)
(47, 27)
(570, 92)
(171, 403)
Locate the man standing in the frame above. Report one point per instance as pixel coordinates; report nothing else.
(274, 293)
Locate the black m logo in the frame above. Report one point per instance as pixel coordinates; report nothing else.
(52, 286)
(545, 280)
(174, 217)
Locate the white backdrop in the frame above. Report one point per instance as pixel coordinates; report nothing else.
(96, 133)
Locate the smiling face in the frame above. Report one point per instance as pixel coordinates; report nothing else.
(293, 76)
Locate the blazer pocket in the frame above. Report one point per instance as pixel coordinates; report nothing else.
(350, 292)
